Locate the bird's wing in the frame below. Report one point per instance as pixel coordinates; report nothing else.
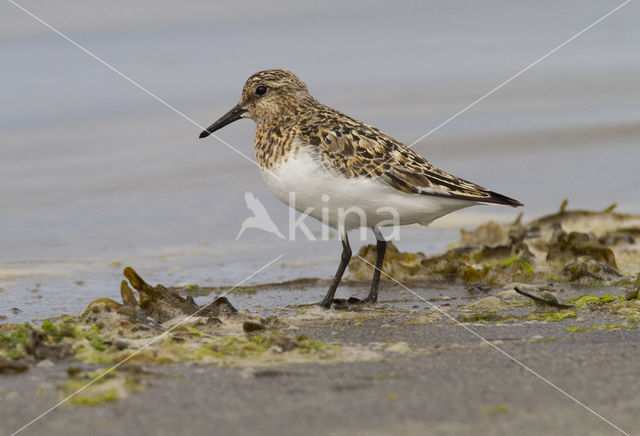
(355, 149)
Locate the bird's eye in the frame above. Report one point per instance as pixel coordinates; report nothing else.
(261, 90)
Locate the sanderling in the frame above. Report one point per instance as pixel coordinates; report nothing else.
(341, 171)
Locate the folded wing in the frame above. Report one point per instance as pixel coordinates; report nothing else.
(358, 150)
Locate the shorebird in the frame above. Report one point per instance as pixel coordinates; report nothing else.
(346, 173)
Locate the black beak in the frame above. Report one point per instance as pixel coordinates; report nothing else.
(233, 115)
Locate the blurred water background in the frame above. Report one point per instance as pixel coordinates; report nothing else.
(96, 175)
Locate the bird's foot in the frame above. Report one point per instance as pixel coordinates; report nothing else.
(353, 303)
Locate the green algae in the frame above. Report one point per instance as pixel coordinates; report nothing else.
(95, 340)
(592, 299)
(393, 396)
(195, 331)
(526, 266)
(575, 329)
(239, 290)
(49, 328)
(543, 340)
(553, 316)
(519, 303)
(630, 314)
(229, 349)
(99, 387)
(387, 376)
(97, 344)
(307, 345)
(500, 409)
(65, 327)
(486, 316)
(13, 339)
(196, 291)
(92, 355)
(246, 290)
(106, 396)
(612, 326)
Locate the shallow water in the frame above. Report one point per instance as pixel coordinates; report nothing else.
(96, 175)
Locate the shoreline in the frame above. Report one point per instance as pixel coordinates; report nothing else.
(486, 338)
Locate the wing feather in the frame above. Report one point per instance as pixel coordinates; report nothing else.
(355, 149)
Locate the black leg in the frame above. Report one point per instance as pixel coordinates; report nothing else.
(381, 247)
(344, 261)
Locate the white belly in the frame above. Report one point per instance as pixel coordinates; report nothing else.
(350, 203)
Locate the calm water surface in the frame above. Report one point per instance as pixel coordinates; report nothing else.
(96, 175)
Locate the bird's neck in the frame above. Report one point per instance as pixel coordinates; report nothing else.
(275, 141)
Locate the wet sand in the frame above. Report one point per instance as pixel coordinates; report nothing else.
(454, 348)
(413, 373)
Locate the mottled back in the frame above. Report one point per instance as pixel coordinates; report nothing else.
(288, 117)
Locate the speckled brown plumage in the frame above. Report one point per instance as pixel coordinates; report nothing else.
(288, 117)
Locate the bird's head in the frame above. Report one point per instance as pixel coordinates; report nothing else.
(266, 95)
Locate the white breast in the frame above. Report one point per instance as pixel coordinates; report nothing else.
(349, 203)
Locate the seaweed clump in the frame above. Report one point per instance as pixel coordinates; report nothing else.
(159, 326)
(586, 247)
(21, 344)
